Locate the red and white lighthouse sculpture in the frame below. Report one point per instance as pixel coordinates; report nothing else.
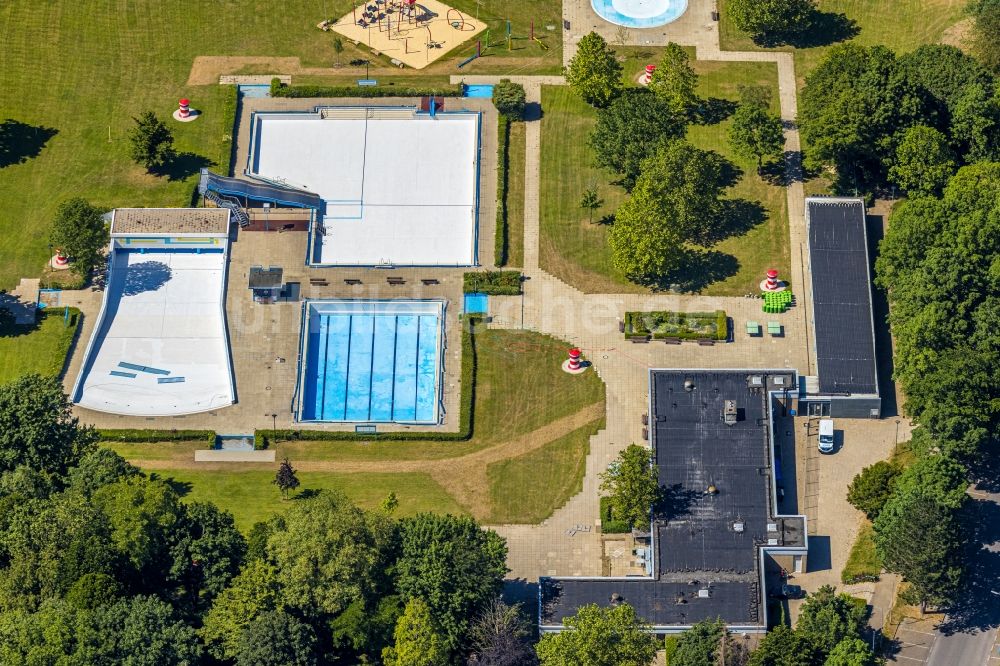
(647, 75)
(771, 281)
(573, 365)
(184, 112)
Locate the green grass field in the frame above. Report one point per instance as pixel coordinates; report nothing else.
(528, 488)
(40, 349)
(902, 25)
(252, 497)
(75, 75)
(862, 561)
(515, 196)
(576, 250)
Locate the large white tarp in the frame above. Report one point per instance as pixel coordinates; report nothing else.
(163, 312)
(399, 189)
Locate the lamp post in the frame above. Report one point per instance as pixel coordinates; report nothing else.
(274, 427)
(897, 432)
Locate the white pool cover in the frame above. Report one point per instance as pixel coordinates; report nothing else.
(160, 346)
(400, 187)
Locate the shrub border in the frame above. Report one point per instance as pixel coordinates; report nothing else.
(493, 283)
(721, 325)
(608, 524)
(137, 436)
(279, 89)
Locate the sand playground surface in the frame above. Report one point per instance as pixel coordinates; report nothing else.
(414, 33)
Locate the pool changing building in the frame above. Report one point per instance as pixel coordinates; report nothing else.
(846, 384)
(707, 555)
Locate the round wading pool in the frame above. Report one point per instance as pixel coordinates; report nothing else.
(639, 13)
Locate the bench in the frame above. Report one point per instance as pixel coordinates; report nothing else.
(773, 328)
(319, 282)
(638, 338)
(396, 281)
(753, 328)
(352, 281)
(429, 281)
(706, 343)
(672, 341)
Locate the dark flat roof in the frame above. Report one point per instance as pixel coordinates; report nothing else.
(265, 278)
(659, 603)
(695, 449)
(842, 299)
(697, 542)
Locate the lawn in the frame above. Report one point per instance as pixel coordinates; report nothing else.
(528, 488)
(77, 73)
(576, 250)
(515, 196)
(252, 497)
(862, 564)
(41, 348)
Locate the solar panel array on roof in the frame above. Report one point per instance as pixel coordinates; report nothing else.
(842, 300)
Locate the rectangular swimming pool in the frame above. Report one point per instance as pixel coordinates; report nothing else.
(371, 361)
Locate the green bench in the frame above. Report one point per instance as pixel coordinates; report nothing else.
(773, 328)
(753, 328)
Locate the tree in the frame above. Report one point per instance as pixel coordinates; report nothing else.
(328, 553)
(872, 488)
(140, 631)
(509, 99)
(631, 485)
(591, 201)
(594, 73)
(362, 632)
(92, 590)
(631, 129)
(80, 232)
(936, 477)
(37, 427)
(986, 31)
(944, 72)
(770, 21)
(782, 647)
(500, 637)
(453, 565)
(644, 243)
(152, 142)
(975, 124)
(254, 592)
(754, 95)
(919, 539)
(417, 640)
(285, 478)
(206, 553)
(100, 467)
(851, 652)
(674, 81)
(924, 161)
(277, 639)
(613, 636)
(826, 618)
(699, 645)
(756, 134)
(854, 104)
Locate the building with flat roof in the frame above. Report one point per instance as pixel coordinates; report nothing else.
(846, 384)
(713, 447)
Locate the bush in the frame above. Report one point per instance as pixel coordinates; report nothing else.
(466, 414)
(494, 283)
(509, 99)
(279, 89)
(608, 524)
(500, 238)
(862, 564)
(229, 107)
(682, 325)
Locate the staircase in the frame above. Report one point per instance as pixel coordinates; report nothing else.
(230, 203)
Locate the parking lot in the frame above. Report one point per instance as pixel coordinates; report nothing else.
(914, 640)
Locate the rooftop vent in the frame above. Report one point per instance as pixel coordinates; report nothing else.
(772, 542)
(711, 490)
(703, 593)
(755, 381)
(689, 384)
(729, 413)
(739, 526)
(616, 599)
(772, 527)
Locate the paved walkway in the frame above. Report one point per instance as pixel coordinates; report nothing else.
(568, 542)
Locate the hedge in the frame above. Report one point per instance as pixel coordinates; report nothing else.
(494, 283)
(139, 436)
(465, 414)
(683, 325)
(279, 89)
(229, 106)
(503, 177)
(608, 524)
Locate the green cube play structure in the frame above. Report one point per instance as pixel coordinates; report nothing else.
(776, 302)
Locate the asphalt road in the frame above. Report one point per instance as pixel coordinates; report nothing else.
(967, 636)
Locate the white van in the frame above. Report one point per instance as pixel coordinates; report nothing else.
(826, 435)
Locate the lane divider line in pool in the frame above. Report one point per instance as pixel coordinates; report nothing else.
(324, 332)
(395, 354)
(371, 369)
(347, 370)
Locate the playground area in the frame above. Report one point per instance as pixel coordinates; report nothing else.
(409, 32)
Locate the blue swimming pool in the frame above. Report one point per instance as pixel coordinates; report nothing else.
(477, 90)
(476, 303)
(639, 13)
(372, 361)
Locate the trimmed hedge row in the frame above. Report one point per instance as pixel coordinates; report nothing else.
(494, 283)
(142, 436)
(465, 413)
(503, 185)
(683, 325)
(229, 104)
(278, 89)
(608, 524)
